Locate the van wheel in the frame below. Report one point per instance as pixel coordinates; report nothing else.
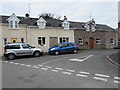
(56, 52)
(37, 54)
(75, 51)
(11, 57)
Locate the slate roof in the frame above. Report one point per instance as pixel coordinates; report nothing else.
(55, 23)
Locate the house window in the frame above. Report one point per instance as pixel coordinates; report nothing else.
(98, 41)
(87, 27)
(22, 40)
(80, 40)
(41, 41)
(13, 24)
(66, 24)
(93, 28)
(64, 39)
(112, 41)
(5, 41)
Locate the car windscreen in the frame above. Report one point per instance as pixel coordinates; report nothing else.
(57, 45)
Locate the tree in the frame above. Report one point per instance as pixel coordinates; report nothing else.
(49, 16)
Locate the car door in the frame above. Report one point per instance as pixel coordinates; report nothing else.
(70, 47)
(26, 49)
(63, 48)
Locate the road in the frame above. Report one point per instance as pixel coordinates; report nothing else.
(86, 69)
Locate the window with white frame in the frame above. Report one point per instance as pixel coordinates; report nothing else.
(98, 41)
(112, 41)
(64, 39)
(80, 40)
(41, 23)
(87, 27)
(13, 22)
(66, 25)
(5, 41)
(41, 41)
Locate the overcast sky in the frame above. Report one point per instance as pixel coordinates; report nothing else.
(103, 11)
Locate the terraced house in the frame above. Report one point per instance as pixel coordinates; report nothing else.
(45, 32)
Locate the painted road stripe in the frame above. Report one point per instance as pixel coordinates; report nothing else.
(44, 68)
(117, 78)
(71, 70)
(81, 60)
(68, 73)
(54, 70)
(28, 65)
(118, 82)
(80, 75)
(59, 68)
(11, 62)
(98, 78)
(40, 65)
(48, 67)
(101, 75)
(16, 63)
(84, 72)
(22, 64)
(35, 67)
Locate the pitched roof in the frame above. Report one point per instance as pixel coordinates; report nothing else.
(56, 23)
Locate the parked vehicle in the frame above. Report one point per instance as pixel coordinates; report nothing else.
(66, 47)
(21, 49)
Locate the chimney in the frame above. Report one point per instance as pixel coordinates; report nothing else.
(27, 15)
(65, 18)
(93, 20)
(119, 24)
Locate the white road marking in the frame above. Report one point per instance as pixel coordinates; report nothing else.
(28, 65)
(117, 78)
(59, 68)
(80, 75)
(11, 62)
(40, 65)
(101, 75)
(5, 61)
(44, 69)
(84, 72)
(118, 82)
(55, 70)
(81, 60)
(35, 67)
(68, 73)
(102, 79)
(48, 67)
(71, 70)
(22, 64)
(53, 60)
(16, 63)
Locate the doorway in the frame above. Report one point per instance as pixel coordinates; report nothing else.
(91, 43)
(14, 40)
(53, 41)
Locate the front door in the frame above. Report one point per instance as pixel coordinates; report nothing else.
(91, 43)
(14, 40)
(53, 41)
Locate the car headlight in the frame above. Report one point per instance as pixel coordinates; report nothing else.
(52, 49)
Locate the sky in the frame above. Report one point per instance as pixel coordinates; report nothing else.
(103, 11)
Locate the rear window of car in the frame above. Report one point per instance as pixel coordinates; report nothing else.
(12, 47)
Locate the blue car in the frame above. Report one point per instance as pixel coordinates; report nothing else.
(66, 47)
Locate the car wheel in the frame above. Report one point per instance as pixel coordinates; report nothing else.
(37, 54)
(75, 51)
(11, 57)
(56, 52)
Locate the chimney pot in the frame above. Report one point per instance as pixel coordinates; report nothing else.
(65, 18)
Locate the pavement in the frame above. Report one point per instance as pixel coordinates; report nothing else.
(115, 58)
